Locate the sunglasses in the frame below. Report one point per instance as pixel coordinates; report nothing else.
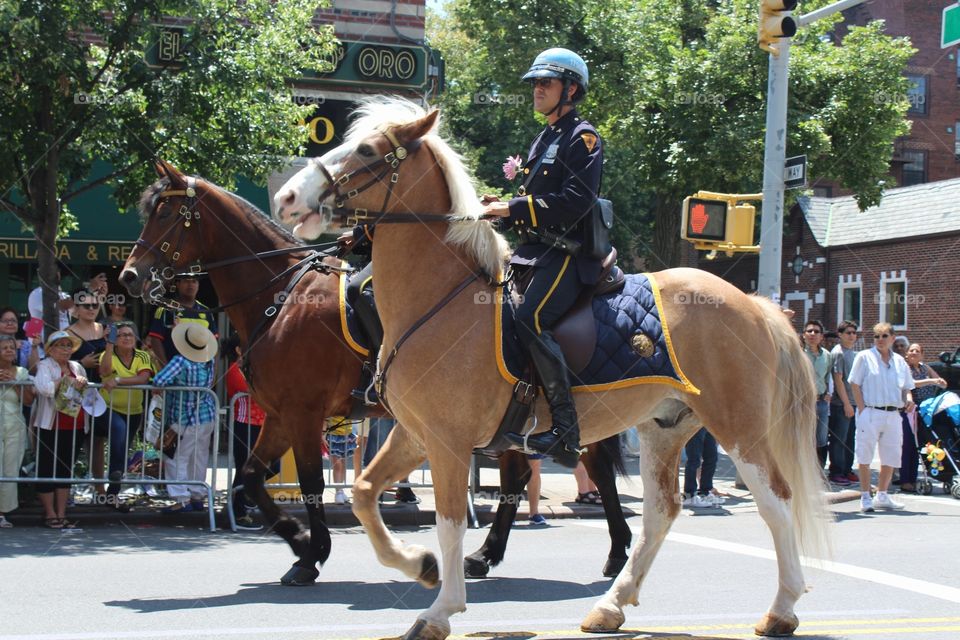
(877, 336)
(542, 82)
(813, 331)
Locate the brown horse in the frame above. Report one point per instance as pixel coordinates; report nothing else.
(302, 368)
(750, 383)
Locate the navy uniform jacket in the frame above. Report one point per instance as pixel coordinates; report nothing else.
(561, 195)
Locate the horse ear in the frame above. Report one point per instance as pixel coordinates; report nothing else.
(167, 170)
(419, 128)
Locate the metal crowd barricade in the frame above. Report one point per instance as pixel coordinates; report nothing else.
(84, 439)
(284, 484)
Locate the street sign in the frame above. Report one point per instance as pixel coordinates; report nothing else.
(950, 27)
(374, 64)
(795, 172)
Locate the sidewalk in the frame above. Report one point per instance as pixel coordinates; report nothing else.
(558, 493)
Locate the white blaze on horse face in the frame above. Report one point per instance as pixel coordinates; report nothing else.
(297, 202)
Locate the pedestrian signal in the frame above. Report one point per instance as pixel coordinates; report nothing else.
(719, 222)
(774, 24)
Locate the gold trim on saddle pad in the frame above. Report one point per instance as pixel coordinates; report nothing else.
(344, 329)
(683, 383)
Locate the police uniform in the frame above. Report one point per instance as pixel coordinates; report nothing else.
(161, 326)
(552, 209)
(359, 293)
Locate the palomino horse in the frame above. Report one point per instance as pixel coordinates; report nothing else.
(303, 369)
(756, 392)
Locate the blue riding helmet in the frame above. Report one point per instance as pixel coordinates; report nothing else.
(559, 63)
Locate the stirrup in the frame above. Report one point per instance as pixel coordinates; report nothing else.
(366, 395)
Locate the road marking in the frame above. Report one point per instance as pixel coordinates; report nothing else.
(941, 592)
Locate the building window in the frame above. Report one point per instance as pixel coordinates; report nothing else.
(850, 307)
(917, 95)
(892, 301)
(914, 168)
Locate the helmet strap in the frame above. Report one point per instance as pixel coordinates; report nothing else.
(563, 98)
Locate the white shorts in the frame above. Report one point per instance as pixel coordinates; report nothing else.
(881, 430)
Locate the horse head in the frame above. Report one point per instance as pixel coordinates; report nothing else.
(361, 176)
(170, 241)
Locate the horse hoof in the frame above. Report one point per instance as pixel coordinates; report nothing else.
(776, 626)
(602, 620)
(613, 567)
(299, 576)
(474, 567)
(423, 630)
(429, 572)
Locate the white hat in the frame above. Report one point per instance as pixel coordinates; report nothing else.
(194, 341)
(93, 403)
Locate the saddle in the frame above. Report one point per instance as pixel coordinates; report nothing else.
(576, 331)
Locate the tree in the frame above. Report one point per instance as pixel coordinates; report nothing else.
(75, 88)
(678, 92)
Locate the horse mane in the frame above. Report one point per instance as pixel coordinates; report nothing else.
(148, 202)
(476, 236)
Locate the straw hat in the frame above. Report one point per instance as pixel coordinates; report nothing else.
(194, 341)
(56, 336)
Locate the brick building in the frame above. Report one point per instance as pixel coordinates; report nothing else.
(897, 262)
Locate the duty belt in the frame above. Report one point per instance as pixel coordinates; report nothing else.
(885, 408)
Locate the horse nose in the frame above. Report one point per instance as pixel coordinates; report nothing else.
(285, 200)
(128, 277)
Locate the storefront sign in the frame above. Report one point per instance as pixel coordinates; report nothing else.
(70, 252)
(379, 65)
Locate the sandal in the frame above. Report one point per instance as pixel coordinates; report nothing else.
(51, 523)
(4, 523)
(590, 497)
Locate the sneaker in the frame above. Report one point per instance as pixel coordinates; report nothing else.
(839, 480)
(538, 520)
(884, 501)
(340, 497)
(853, 478)
(715, 500)
(406, 495)
(246, 523)
(686, 501)
(866, 504)
(701, 502)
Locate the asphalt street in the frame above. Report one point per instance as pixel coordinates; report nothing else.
(893, 575)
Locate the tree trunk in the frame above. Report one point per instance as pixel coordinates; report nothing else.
(666, 235)
(46, 206)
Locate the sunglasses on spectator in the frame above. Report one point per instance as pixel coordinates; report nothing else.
(877, 336)
(813, 331)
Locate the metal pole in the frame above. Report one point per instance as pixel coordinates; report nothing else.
(813, 16)
(774, 155)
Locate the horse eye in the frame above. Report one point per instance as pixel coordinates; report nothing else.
(366, 150)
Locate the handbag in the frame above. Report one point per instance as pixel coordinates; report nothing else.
(596, 231)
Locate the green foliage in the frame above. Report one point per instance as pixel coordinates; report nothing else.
(75, 88)
(678, 92)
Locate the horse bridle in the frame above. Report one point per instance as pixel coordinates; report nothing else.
(166, 269)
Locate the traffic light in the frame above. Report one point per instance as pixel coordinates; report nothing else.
(719, 222)
(775, 25)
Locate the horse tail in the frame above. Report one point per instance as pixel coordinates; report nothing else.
(792, 420)
(614, 453)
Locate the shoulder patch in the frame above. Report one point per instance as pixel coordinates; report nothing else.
(590, 140)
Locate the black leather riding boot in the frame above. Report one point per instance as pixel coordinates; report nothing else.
(370, 322)
(562, 441)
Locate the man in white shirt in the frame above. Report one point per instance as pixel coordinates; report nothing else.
(64, 304)
(881, 382)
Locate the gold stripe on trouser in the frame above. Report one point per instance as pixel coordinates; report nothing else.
(536, 314)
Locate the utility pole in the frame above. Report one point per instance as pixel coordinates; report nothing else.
(774, 24)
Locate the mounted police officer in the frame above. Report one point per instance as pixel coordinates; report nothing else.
(561, 181)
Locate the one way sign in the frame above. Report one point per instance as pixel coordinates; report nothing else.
(795, 172)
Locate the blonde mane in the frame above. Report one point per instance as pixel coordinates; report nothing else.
(476, 236)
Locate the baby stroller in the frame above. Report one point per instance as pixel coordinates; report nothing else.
(938, 439)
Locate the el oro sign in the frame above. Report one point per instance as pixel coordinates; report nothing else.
(383, 65)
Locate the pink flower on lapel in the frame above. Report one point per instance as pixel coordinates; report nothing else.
(512, 166)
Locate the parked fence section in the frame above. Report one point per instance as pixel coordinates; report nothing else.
(115, 450)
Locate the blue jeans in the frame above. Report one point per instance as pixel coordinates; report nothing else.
(380, 428)
(841, 458)
(702, 446)
(823, 411)
(122, 428)
(909, 456)
(244, 437)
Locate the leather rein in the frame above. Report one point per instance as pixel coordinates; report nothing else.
(352, 216)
